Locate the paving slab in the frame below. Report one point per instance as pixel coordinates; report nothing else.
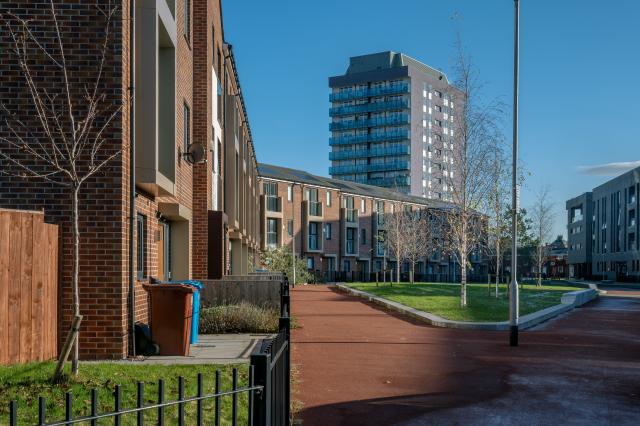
(212, 349)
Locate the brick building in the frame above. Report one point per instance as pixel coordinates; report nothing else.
(176, 83)
(335, 224)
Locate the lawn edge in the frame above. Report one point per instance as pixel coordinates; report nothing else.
(569, 301)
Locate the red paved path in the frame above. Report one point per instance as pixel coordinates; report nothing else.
(361, 365)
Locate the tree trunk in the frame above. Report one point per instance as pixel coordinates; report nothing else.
(497, 267)
(463, 284)
(413, 271)
(74, 274)
(398, 266)
(540, 266)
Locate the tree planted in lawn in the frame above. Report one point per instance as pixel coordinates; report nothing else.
(468, 177)
(64, 144)
(542, 218)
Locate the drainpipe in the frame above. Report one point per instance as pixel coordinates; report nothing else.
(132, 174)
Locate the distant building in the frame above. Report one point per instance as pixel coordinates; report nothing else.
(555, 264)
(603, 229)
(338, 227)
(392, 125)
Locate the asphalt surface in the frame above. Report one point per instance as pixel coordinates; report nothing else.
(360, 365)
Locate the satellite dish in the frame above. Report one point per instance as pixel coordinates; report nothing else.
(195, 154)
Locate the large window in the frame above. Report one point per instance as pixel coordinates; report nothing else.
(272, 233)
(290, 227)
(350, 241)
(271, 195)
(187, 20)
(141, 252)
(315, 207)
(363, 236)
(327, 231)
(328, 198)
(313, 235)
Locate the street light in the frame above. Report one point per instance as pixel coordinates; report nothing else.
(513, 293)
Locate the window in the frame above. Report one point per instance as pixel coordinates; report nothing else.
(328, 198)
(187, 20)
(271, 195)
(347, 265)
(351, 237)
(141, 252)
(313, 235)
(290, 193)
(632, 194)
(310, 263)
(438, 108)
(186, 128)
(438, 93)
(363, 205)
(290, 227)
(363, 236)
(380, 243)
(327, 231)
(272, 232)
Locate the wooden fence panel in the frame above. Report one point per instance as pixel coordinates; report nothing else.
(28, 287)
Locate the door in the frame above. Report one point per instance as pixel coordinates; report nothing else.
(162, 247)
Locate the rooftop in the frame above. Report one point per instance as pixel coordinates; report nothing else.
(292, 175)
(388, 60)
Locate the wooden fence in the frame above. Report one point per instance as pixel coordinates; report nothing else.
(28, 287)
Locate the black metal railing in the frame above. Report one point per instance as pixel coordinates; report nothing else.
(142, 410)
(267, 391)
(272, 366)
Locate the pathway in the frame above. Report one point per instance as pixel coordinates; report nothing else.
(361, 365)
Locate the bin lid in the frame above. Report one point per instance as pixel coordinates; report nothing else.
(168, 287)
(192, 283)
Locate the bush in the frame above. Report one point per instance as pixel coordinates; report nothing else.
(240, 318)
(281, 260)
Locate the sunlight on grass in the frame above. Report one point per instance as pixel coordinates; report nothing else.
(444, 299)
(25, 383)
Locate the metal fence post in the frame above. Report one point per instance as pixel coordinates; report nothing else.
(285, 325)
(262, 375)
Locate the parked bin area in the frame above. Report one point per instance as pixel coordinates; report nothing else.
(171, 317)
(195, 321)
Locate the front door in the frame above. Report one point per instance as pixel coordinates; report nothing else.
(162, 247)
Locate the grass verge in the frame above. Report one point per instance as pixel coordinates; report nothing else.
(24, 383)
(444, 299)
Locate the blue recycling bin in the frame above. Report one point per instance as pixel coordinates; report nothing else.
(195, 316)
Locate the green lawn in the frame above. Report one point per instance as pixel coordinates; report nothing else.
(444, 299)
(25, 383)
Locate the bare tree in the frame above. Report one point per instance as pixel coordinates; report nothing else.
(65, 143)
(498, 198)
(542, 217)
(419, 237)
(469, 178)
(395, 236)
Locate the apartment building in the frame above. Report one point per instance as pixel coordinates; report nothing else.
(194, 176)
(337, 226)
(603, 230)
(393, 125)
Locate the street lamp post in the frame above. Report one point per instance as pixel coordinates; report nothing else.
(514, 297)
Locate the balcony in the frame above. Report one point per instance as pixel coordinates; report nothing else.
(391, 89)
(274, 204)
(315, 208)
(400, 134)
(370, 107)
(389, 182)
(372, 122)
(364, 153)
(364, 168)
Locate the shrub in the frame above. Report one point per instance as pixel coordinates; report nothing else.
(241, 318)
(281, 260)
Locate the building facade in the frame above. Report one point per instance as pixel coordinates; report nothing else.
(173, 76)
(392, 125)
(338, 227)
(603, 230)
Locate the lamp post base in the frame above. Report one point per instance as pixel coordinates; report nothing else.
(513, 335)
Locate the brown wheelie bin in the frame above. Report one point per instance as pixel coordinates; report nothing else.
(170, 318)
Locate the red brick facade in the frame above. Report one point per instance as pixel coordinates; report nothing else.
(104, 209)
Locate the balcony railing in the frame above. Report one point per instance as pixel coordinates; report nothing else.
(274, 204)
(389, 182)
(372, 122)
(315, 208)
(372, 91)
(364, 168)
(370, 107)
(364, 153)
(400, 134)
(352, 215)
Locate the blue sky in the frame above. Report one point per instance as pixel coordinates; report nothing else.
(580, 63)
